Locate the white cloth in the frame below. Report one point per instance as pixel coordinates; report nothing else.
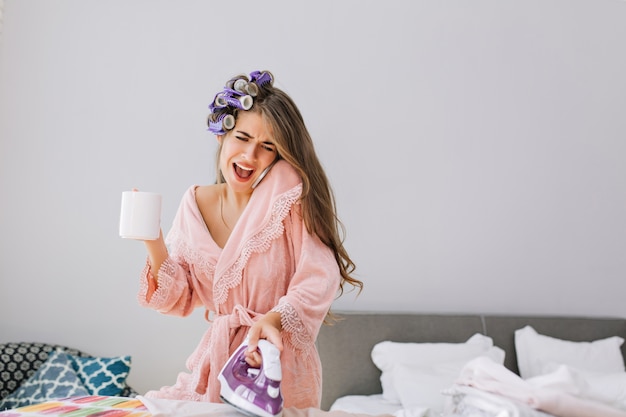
(555, 394)
(365, 404)
(179, 408)
(175, 408)
(471, 402)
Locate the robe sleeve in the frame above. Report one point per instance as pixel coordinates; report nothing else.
(313, 287)
(174, 293)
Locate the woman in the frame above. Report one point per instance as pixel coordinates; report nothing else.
(260, 250)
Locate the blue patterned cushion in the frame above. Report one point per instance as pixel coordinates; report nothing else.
(20, 360)
(55, 378)
(102, 376)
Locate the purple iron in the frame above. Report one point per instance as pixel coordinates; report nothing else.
(253, 391)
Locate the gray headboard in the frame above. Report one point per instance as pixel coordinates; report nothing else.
(345, 346)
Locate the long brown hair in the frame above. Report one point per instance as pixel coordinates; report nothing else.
(294, 145)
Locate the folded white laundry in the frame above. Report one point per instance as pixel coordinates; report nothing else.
(557, 394)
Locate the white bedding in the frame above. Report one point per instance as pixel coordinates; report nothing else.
(564, 378)
(377, 405)
(485, 388)
(558, 393)
(368, 404)
(463, 402)
(471, 402)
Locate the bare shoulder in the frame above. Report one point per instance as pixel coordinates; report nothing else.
(207, 195)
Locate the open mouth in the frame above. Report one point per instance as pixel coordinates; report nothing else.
(242, 172)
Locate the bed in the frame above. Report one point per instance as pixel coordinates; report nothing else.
(352, 352)
(353, 382)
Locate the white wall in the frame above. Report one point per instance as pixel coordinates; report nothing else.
(476, 148)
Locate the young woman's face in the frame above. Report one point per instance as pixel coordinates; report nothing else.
(247, 150)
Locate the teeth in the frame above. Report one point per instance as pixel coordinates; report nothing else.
(243, 172)
(244, 168)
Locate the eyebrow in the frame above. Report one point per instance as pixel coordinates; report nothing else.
(246, 134)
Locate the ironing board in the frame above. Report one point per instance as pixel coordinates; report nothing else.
(99, 406)
(86, 406)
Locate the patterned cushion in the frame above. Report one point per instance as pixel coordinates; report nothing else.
(102, 376)
(19, 361)
(56, 378)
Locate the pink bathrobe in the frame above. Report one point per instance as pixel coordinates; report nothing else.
(270, 263)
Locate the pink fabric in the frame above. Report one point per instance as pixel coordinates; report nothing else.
(484, 374)
(270, 263)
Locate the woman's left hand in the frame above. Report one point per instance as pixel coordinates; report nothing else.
(269, 328)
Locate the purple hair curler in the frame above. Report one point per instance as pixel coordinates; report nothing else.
(240, 85)
(238, 93)
(223, 123)
(262, 77)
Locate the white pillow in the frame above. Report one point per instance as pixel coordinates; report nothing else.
(538, 354)
(422, 386)
(390, 356)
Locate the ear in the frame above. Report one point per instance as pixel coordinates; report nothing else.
(219, 138)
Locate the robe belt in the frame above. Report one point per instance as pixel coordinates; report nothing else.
(217, 352)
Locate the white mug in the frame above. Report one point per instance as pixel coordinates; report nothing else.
(141, 215)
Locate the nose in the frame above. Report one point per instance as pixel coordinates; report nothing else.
(250, 151)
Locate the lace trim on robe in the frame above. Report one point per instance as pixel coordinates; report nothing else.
(182, 252)
(166, 278)
(258, 243)
(165, 281)
(292, 324)
(143, 284)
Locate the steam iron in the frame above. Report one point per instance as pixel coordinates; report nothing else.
(253, 391)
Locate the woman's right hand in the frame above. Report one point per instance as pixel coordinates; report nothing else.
(157, 251)
(267, 327)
